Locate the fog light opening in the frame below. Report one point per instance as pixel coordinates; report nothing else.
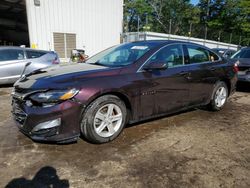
(47, 125)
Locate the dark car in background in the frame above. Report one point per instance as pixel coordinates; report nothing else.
(242, 58)
(14, 59)
(124, 84)
(226, 53)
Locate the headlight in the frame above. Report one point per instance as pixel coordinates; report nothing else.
(53, 96)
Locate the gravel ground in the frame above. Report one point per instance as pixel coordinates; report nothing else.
(197, 148)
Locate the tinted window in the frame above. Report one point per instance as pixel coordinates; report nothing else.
(34, 54)
(172, 55)
(230, 53)
(197, 54)
(244, 53)
(11, 54)
(213, 57)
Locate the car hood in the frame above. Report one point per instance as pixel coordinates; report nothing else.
(61, 76)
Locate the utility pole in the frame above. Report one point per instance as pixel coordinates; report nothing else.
(219, 36)
(231, 35)
(138, 28)
(170, 26)
(208, 3)
(138, 23)
(190, 29)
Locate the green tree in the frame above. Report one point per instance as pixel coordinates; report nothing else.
(134, 10)
(174, 16)
(245, 15)
(224, 20)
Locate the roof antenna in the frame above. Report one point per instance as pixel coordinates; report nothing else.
(26, 65)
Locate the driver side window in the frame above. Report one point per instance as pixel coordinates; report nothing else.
(171, 54)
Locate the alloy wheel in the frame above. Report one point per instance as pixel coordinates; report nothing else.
(220, 96)
(108, 120)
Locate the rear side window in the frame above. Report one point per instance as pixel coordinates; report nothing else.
(11, 54)
(34, 54)
(197, 54)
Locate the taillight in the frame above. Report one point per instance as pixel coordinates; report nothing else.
(236, 67)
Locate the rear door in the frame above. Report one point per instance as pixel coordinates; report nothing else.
(12, 62)
(204, 71)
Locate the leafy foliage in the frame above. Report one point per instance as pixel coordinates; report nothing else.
(223, 20)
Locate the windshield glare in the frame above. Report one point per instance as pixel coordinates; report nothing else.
(121, 55)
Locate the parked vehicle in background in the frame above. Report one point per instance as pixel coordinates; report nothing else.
(14, 59)
(226, 53)
(242, 57)
(124, 84)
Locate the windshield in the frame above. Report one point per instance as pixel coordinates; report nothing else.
(121, 55)
(244, 53)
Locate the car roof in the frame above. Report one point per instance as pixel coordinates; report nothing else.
(223, 49)
(245, 48)
(165, 42)
(220, 49)
(22, 48)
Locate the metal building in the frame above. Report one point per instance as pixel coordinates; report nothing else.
(61, 25)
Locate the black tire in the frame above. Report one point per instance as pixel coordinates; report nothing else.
(87, 122)
(213, 105)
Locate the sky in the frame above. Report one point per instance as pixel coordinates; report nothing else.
(194, 1)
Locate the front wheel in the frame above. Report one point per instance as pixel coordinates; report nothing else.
(104, 119)
(219, 97)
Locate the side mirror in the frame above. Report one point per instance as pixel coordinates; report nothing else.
(155, 66)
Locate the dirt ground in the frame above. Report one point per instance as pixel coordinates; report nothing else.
(191, 149)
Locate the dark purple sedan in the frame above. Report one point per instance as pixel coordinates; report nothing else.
(124, 84)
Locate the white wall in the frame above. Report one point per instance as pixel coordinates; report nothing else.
(96, 23)
(129, 37)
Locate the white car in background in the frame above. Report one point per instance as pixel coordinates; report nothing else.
(14, 59)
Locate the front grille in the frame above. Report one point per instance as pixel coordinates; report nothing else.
(19, 115)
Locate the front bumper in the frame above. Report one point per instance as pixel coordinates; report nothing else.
(29, 120)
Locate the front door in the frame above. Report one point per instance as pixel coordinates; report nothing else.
(165, 90)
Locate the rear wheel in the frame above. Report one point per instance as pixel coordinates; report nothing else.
(219, 97)
(104, 119)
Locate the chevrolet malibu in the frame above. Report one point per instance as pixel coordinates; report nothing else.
(124, 84)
